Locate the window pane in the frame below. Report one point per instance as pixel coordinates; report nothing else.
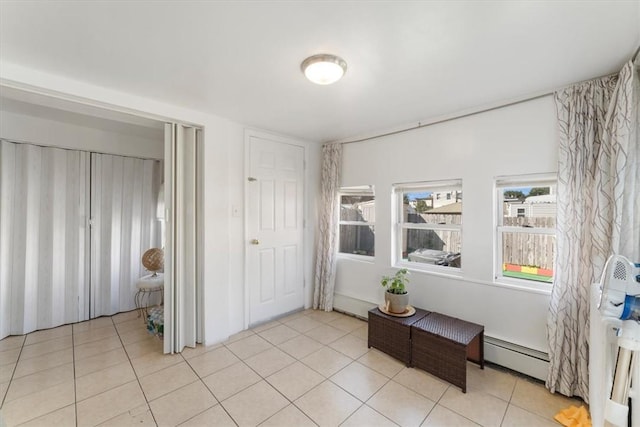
(529, 207)
(357, 239)
(357, 208)
(436, 247)
(528, 256)
(431, 207)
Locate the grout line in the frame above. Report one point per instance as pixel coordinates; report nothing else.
(513, 390)
(13, 372)
(134, 372)
(209, 390)
(291, 402)
(75, 389)
(428, 413)
(34, 373)
(505, 414)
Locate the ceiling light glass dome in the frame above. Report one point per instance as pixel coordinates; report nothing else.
(324, 69)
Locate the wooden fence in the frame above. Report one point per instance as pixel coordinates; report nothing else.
(529, 249)
(442, 240)
(356, 239)
(517, 248)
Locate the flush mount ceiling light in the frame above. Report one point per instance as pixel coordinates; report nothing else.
(324, 69)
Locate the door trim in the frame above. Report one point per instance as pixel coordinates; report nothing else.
(248, 134)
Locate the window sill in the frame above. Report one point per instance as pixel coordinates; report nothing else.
(501, 282)
(524, 285)
(450, 272)
(354, 257)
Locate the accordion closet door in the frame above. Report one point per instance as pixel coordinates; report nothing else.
(44, 250)
(73, 228)
(124, 224)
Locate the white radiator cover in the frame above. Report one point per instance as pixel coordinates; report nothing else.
(521, 359)
(525, 360)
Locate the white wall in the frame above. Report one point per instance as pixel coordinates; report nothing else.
(37, 130)
(519, 139)
(223, 148)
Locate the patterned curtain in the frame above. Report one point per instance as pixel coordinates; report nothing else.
(597, 184)
(327, 245)
(623, 133)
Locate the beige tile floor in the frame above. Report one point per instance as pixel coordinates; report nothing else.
(310, 368)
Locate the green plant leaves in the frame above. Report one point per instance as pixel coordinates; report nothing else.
(396, 284)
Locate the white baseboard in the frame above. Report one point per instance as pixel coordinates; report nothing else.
(527, 361)
(356, 307)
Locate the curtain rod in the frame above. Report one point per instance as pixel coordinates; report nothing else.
(472, 113)
(448, 119)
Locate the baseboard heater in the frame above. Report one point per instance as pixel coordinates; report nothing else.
(528, 361)
(521, 359)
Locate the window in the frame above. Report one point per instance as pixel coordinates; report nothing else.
(526, 228)
(357, 221)
(429, 224)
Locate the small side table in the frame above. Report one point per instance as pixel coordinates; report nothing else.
(392, 335)
(147, 285)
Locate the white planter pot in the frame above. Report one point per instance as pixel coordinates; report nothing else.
(397, 303)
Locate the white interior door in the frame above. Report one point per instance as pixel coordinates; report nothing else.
(275, 228)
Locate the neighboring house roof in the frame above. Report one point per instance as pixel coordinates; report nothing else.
(451, 208)
(547, 198)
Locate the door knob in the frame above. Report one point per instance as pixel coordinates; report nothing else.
(255, 241)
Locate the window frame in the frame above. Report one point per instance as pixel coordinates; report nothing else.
(398, 227)
(367, 190)
(500, 184)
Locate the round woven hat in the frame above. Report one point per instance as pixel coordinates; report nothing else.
(153, 259)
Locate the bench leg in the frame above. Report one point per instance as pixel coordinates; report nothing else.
(475, 350)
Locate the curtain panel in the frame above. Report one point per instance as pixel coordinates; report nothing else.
(327, 244)
(622, 133)
(597, 213)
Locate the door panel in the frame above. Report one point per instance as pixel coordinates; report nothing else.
(267, 205)
(290, 259)
(290, 205)
(267, 275)
(275, 226)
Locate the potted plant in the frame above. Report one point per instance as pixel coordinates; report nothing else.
(396, 297)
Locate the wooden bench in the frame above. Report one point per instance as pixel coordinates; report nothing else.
(391, 334)
(434, 342)
(442, 345)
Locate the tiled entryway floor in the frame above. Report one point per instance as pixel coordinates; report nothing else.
(310, 368)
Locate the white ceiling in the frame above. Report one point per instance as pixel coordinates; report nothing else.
(407, 61)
